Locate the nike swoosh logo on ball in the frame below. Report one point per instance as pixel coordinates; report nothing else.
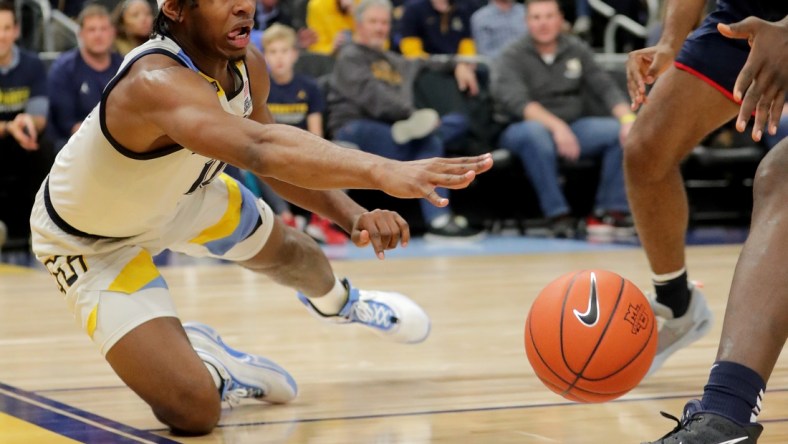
(591, 315)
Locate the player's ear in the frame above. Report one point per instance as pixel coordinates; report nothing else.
(173, 9)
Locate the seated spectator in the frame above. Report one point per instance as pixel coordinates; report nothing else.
(295, 100)
(436, 27)
(496, 25)
(371, 107)
(539, 81)
(133, 21)
(269, 12)
(78, 76)
(332, 22)
(24, 156)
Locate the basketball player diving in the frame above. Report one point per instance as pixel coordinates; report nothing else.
(754, 75)
(143, 173)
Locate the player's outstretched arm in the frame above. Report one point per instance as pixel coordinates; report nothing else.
(763, 81)
(645, 65)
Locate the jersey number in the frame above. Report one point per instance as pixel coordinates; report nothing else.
(66, 270)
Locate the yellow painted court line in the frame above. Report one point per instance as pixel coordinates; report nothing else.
(73, 416)
(17, 431)
(13, 269)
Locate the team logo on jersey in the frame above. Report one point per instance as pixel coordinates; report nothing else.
(636, 315)
(247, 99)
(66, 270)
(301, 95)
(456, 24)
(574, 68)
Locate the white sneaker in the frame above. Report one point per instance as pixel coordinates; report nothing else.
(420, 124)
(677, 333)
(244, 375)
(390, 315)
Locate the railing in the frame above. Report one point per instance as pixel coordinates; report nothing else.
(44, 17)
(619, 21)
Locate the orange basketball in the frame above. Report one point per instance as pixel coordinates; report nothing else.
(590, 336)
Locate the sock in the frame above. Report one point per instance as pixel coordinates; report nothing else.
(332, 302)
(217, 379)
(672, 290)
(734, 391)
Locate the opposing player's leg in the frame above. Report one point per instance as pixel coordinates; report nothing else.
(681, 110)
(756, 321)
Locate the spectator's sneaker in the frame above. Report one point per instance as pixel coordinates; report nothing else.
(677, 333)
(420, 124)
(323, 231)
(563, 227)
(598, 225)
(452, 227)
(390, 315)
(699, 427)
(244, 375)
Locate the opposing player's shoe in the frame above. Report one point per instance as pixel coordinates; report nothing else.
(244, 375)
(676, 333)
(391, 315)
(699, 427)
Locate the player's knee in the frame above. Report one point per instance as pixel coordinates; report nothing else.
(192, 411)
(770, 180)
(644, 161)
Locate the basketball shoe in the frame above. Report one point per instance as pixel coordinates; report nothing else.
(699, 427)
(243, 375)
(390, 315)
(676, 333)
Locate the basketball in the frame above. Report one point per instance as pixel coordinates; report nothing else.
(590, 336)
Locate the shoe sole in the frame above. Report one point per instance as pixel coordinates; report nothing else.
(211, 335)
(419, 125)
(404, 308)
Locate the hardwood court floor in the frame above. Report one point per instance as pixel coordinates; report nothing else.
(468, 383)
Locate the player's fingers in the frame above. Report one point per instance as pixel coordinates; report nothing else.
(360, 238)
(776, 111)
(453, 181)
(762, 110)
(745, 78)
(434, 198)
(739, 30)
(377, 242)
(404, 229)
(748, 104)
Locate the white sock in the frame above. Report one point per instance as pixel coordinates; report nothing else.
(215, 375)
(668, 276)
(333, 301)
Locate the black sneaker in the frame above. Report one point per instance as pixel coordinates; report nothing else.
(699, 427)
(563, 227)
(454, 228)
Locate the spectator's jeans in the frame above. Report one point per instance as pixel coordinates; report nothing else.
(598, 137)
(375, 137)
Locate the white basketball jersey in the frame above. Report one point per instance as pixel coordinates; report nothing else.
(98, 187)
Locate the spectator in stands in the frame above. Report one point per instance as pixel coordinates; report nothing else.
(332, 21)
(295, 100)
(496, 25)
(436, 27)
(539, 81)
(133, 21)
(78, 76)
(24, 156)
(269, 12)
(370, 106)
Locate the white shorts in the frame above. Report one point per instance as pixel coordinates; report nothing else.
(112, 285)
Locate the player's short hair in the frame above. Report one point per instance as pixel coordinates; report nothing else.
(8, 6)
(279, 32)
(161, 23)
(92, 10)
(358, 12)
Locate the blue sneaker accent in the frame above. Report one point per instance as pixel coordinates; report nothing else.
(245, 375)
(391, 315)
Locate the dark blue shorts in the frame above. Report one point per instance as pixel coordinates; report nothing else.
(716, 59)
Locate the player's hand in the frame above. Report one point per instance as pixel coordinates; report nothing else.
(643, 68)
(419, 178)
(566, 143)
(24, 131)
(763, 81)
(382, 228)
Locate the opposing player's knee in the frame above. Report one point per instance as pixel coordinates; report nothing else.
(770, 177)
(644, 160)
(194, 408)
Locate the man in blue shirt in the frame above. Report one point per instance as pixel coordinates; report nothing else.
(23, 109)
(496, 25)
(78, 76)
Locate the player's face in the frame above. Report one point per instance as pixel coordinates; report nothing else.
(138, 18)
(280, 57)
(544, 21)
(221, 26)
(8, 33)
(97, 35)
(374, 27)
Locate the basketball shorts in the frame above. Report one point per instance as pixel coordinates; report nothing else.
(112, 285)
(712, 57)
